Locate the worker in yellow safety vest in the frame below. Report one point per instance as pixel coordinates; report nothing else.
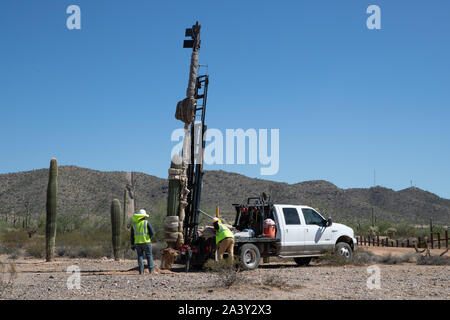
(224, 239)
(141, 234)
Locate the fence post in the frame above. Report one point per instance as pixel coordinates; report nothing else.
(431, 240)
(397, 243)
(418, 242)
(378, 241)
(439, 240)
(446, 238)
(407, 243)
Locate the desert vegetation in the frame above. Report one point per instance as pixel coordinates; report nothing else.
(87, 236)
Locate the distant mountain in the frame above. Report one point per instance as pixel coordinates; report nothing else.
(89, 192)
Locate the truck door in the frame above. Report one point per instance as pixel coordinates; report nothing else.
(292, 231)
(318, 237)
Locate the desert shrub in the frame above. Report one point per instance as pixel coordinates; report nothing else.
(36, 248)
(433, 260)
(13, 240)
(391, 232)
(397, 259)
(362, 257)
(409, 257)
(383, 225)
(331, 258)
(389, 259)
(373, 231)
(275, 281)
(226, 272)
(406, 230)
(91, 243)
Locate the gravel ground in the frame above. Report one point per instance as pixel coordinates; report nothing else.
(107, 279)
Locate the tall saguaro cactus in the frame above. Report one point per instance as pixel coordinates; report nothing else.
(52, 199)
(173, 199)
(115, 227)
(124, 217)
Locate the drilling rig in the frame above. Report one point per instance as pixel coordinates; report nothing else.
(186, 172)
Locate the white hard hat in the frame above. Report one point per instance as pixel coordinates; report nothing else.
(142, 211)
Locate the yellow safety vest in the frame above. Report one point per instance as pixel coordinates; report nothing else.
(223, 233)
(141, 234)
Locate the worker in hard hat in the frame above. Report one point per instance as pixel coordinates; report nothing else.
(224, 239)
(141, 234)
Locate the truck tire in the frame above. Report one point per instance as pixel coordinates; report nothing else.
(344, 249)
(302, 261)
(249, 256)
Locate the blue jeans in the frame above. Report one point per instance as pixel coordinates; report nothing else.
(140, 249)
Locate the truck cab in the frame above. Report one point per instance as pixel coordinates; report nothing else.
(301, 233)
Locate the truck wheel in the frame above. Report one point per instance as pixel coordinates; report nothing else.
(344, 249)
(302, 261)
(250, 256)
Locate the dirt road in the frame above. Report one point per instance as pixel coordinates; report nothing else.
(107, 279)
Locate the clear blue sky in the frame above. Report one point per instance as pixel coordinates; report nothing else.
(347, 100)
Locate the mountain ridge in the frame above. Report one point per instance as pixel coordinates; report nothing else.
(89, 191)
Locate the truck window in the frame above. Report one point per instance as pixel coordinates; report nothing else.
(291, 216)
(312, 217)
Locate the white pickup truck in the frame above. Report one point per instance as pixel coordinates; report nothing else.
(301, 233)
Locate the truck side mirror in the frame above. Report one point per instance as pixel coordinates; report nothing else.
(329, 222)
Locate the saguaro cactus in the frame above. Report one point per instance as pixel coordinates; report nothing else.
(173, 199)
(115, 227)
(52, 193)
(124, 217)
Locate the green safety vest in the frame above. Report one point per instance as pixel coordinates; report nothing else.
(223, 233)
(141, 234)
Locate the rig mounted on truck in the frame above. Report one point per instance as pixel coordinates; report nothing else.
(262, 229)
